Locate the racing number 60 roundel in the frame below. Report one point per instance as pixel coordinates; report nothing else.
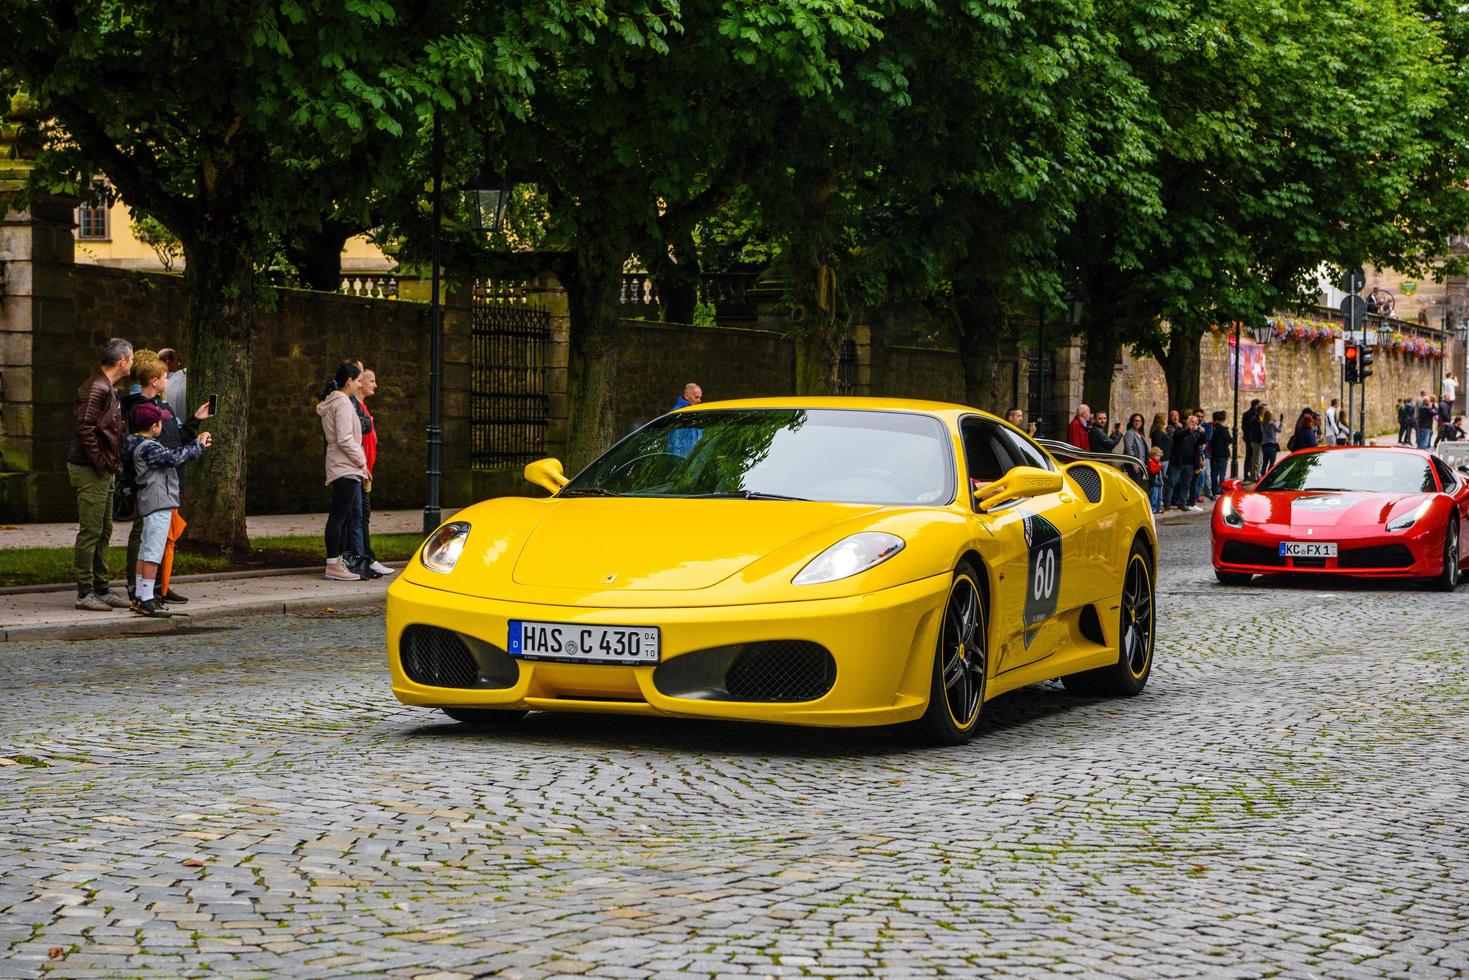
(1043, 542)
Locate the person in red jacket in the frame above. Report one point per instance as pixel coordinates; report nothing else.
(1078, 432)
(367, 383)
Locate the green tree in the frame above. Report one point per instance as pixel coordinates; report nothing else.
(152, 232)
(220, 121)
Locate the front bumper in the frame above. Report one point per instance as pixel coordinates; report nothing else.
(1361, 553)
(882, 644)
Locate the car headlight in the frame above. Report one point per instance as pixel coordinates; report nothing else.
(1230, 513)
(442, 550)
(1404, 521)
(847, 557)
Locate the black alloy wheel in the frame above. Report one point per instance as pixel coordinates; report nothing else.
(1448, 579)
(960, 665)
(1135, 635)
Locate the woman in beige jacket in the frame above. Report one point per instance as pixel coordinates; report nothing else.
(346, 467)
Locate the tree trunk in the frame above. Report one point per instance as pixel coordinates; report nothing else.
(317, 256)
(596, 344)
(677, 278)
(979, 322)
(220, 283)
(1102, 347)
(1181, 368)
(818, 345)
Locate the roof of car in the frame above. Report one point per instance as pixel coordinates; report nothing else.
(842, 401)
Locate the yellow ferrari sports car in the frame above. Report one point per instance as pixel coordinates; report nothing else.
(807, 561)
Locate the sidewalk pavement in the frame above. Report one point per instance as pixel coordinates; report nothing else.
(262, 525)
(44, 613)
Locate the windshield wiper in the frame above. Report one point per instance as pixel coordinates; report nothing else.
(744, 495)
(589, 492)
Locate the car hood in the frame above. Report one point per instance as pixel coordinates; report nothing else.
(638, 544)
(1329, 508)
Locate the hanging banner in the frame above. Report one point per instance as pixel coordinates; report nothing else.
(1251, 365)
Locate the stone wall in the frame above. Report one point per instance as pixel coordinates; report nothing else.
(1297, 375)
(298, 345)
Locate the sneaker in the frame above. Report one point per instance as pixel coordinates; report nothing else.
(172, 596)
(152, 608)
(1196, 509)
(338, 572)
(380, 568)
(92, 602)
(114, 600)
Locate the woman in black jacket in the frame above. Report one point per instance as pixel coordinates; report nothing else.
(1305, 434)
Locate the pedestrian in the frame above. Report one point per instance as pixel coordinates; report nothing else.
(682, 440)
(1016, 417)
(1304, 436)
(156, 476)
(1448, 391)
(1201, 474)
(346, 469)
(1077, 430)
(1336, 429)
(1407, 415)
(1221, 451)
(1269, 441)
(1099, 439)
(176, 391)
(1250, 429)
(368, 382)
(1188, 454)
(1156, 476)
(149, 388)
(1427, 420)
(92, 462)
(1174, 421)
(1135, 444)
(1162, 438)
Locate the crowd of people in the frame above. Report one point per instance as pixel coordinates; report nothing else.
(132, 441)
(1186, 455)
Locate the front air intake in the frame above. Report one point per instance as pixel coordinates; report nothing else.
(770, 670)
(438, 657)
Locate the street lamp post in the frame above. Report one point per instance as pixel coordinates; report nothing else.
(1262, 331)
(431, 510)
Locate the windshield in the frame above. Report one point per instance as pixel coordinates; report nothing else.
(838, 455)
(1375, 470)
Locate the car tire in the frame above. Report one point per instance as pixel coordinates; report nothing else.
(484, 716)
(960, 666)
(1135, 636)
(1233, 578)
(1448, 579)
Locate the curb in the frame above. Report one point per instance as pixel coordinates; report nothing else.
(118, 627)
(199, 577)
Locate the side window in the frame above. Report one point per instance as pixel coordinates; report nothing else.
(985, 456)
(1446, 475)
(1025, 452)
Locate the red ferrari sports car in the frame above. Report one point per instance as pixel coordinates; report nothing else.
(1362, 511)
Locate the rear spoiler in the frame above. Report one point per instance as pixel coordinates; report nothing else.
(1067, 453)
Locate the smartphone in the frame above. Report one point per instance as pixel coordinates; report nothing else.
(213, 404)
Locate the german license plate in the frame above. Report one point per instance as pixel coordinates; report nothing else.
(572, 643)
(1308, 549)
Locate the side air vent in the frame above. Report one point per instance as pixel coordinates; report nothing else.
(1089, 480)
(1091, 626)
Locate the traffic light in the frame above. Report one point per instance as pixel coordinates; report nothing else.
(1364, 367)
(1351, 365)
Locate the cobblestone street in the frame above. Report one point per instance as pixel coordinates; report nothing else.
(1288, 797)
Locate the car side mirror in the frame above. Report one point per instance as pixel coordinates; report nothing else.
(547, 473)
(1021, 481)
(1230, 484)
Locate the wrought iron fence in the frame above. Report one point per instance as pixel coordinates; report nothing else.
(847, 367)
(509, 409)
